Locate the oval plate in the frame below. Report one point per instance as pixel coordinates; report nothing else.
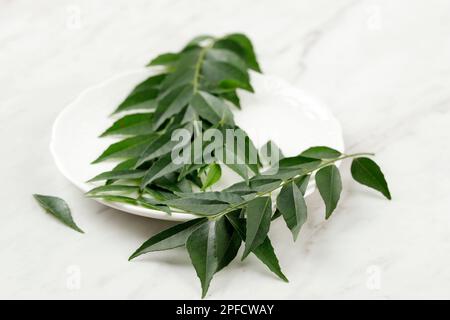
(277, 111)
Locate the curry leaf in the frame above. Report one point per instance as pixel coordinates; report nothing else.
(128, 164)
(259, 212)
(173, 237)
(113, 188)
(321, 153)
(232, 97)
(133, 124)
(292, 206)
(241, 45)
(138, 101)
(162, 145)
(160, 168)
(119, 174)
(164, 59)
(217, 74)
(329, 183)
(228, 57)
(367, 172)
(201, 207)
(213, 175)
(58, 208)
(302, 183)
(201, 246)
(143, 95)
(173, 103)
(211, 108)
(127, 148)
(239, 152)
(222, 196)
(228, 243)
(264, 252)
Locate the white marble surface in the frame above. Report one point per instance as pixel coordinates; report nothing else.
(383, 67)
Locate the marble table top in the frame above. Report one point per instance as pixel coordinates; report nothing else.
(382, 66)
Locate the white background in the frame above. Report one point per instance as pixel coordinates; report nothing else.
(382, 66)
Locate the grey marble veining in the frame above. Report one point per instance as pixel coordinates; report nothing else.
(383, 67)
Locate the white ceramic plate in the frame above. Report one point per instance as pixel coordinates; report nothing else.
(277, 111)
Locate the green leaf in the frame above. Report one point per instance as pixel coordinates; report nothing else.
(159, 195)
(171, 183)
(197, 41)
(124, 165)
(190, 168)
(190, 116)
(164, 59)
(213, 175)
(142, 100)
(242, 46)
(321, 153)
(218, 74)
(368, 173)
(201, 207)
(201, 246)
(285, 173)
(185, 70)
(254, 186)
(162, 145)
(228, 243)
(183, 76)
(240, 169)
(270, 152)
(153, 82)
(276, 215)
(220, 196)
(265, 252)
(133, 124)
(211, 108)
(173, 103)
(236, 155)
(259, 213)
(292, 205)
(143, 95)
(228, 57)
(160, 168)
(131, 201)
(173, 237)
(58, 208)
(113, 188)
(302, 183)
(127, 148)
(298, 162)
(232, 97)
(119, 174)
(116, 198)
(143, 202)
(329, 183)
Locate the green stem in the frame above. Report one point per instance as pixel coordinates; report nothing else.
(198, 66)
(324, 164)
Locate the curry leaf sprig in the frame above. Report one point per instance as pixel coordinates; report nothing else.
(199, 85)
(246, 211)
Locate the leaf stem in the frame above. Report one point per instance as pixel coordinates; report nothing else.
(198, 66)
(261, 194)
